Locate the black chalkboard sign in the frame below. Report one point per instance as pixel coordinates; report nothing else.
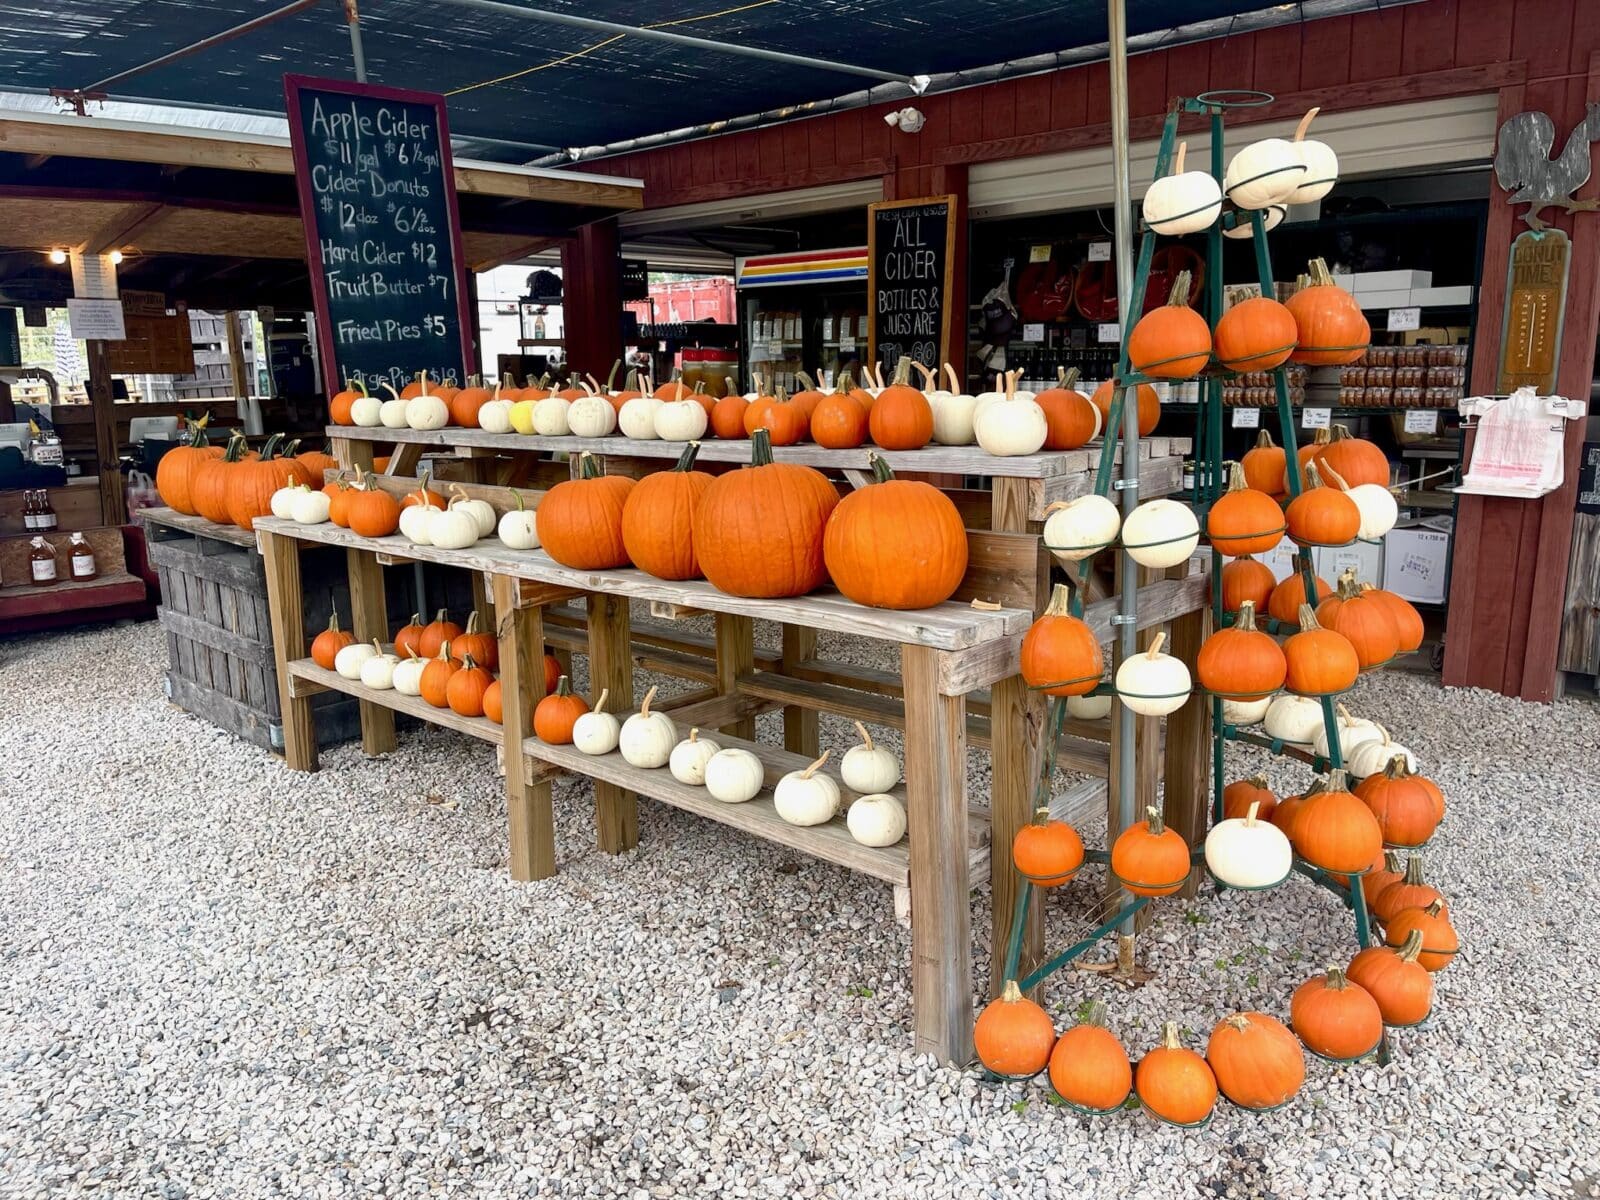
(378, 200)
(910, 245)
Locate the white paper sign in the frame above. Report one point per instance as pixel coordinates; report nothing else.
(1110, 332)
(847, 343)
(1033, 333)
(1038, 254)
(94, 276)
(1247, 418)
(1099, 251)
(827, 329)
(1401, 319)
(1422, 420)
(1316, 418)
(96, 320)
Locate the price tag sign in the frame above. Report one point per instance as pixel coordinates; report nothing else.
(1316, 418)
(827, 329)
(1422, 420)
(775, 349)
(1033, 333)
(1099, 251)
(847, 343)
(1247, 418)
(97, 320)
(1110, 332)
(1401, 319)
(1039, 254)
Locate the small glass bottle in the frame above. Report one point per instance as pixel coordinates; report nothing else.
(80, 555)
(42, 562)
(30, 520)
(46, 513)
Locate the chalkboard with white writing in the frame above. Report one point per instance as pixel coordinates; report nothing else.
(910, 245)
(378, 199)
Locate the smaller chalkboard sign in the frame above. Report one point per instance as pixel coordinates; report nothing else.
(910, 247)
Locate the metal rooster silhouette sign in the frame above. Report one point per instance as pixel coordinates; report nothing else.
(1523, 165)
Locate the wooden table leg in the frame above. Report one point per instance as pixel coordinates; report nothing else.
(369, 619)
(736, 656)
(611, 668)
(799, 724)
(1016, 725)
(1187, 769)
(285, 601)
(530, 812)
(941, 921)
(352, 453)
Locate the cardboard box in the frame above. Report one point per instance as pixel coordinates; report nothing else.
(1416, 564)
(1376, 299)
(1366, 558)
(1390, 281)
(1431, 297)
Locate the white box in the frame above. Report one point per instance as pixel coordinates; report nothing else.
(1280, 559)
(1365, 557)
(1390, 281)
(1434, 297)
(1415, 564)
(1373, 300)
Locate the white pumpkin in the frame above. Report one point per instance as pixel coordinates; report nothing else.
(1373, 755)
(1294, 719)
(591, 417)
(677, 420)
(807, 797)
(1245, 712)
(408, 675)
(416, 523)
(367, 411)
(481, 511)
(877, 820)
(734, 776)
(1161, 533)
(1244, 852)
(495, 416)
(426, 410)
(1153, 684)
(522, 416)
(954, 416)
(550, 416)
(597, 731)
(1014, 426)
(309, 506)
(378, 671)
(393, 413)
(519, 528)
(1002, 381)
(1321, 163)
(1078, 529)
(869, 768)
(452, 529)
(1182, 202)
(1352, 732)
(1264, 172)
(689, 759)
(350, 659)
(648, 737)
(1272, 216)
(637, 419)
(1378, 509)
(1089, 708)
(282, 500)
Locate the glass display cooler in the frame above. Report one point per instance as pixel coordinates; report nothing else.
(805, 311)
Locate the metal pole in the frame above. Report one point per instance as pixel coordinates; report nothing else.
(1128, 589)
(205, 43)
(352, 17)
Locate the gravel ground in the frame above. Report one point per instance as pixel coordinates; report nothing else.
(222, 978)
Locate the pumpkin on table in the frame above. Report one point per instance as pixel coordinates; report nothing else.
(1174, 1083)
(493, 708)
(1335, 1017)
(1071, 419)
(179, 467)
(1089, 1068)
(1401, 986)
(1013, 1035)
(1149, 859)
(466, 403)
(555, 715)
(435, 681)
(367, 509)
(423, 494)
(901, 418)
(1172, 341)
(1245, 578)
(1257, 1062)
(839, 422)
(436, 633)
(326, 645)
(727, 418)
(343, 402)
(464, 690)
(250, 485)
(1240, 662)
(482, 647)
(658, 519)
(896, 543)
(1060, 654)
(579, 521)
(785, 422)
(1048, 852)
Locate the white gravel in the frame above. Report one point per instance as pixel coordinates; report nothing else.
(223, 978)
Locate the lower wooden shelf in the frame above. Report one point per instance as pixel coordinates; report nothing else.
(415, 706)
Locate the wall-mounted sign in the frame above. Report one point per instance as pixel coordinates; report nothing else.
(910, 248)
(1535, 309)
(96, 320)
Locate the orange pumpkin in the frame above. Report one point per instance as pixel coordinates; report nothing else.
(316, 465)
(1243, 520)
(464, 405)
(1366, 623)
(1241, 662)
(807, 399)
(753, 411)
(901, 417)
(1239, 795)
(417, 386)
(759, 532)
(1308, 453)
(727, 418)
(339, 407)
(250, 484)
(1355, 460)
(1013, 1036)
(1322, 516)
(1411, 890)
(1286, 813)
(785, 422)
(1070, 417)
(1321, 662)
(326, 645)
(658, 519)
(178, 469)
(896, 543)
(1174, 1083)
(1149, 859)
(493, 708)
(839, 422)
(339, 493)
(1149, 408)
(1407, 620)
(1386, 869)
(482, 648)
(1265, 465)
(423, 494)
(1255, 335)
(370, 511)
(555, 715)
(1329, 327)
(436, 633)
(1257, 1062)
(408, 638)
(464, 690)
(1047, 851)
(1336, 1018)
(436, 676)
(1245, 578)
(1060, 654)
(1334, 830)
(1088, 1067)
(1439, 940)
(1287, 597)
(1401, 985)
(1172, 341)
(580, 521)
(552, 672)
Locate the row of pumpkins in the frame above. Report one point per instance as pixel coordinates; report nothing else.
(452, 667)
(233, 485)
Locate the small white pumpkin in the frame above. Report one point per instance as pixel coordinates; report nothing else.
(869, 768)
(1182, 202)
(1153, 684)
(877, 820)
(637, 420)
(648, 737)
(591, 417)
(550, 416)
(807, 797)
(309, 506)
(689, 759)
(392, 415)
(1271, 217)
(1078, 529)
(983, 400)
(350, 659)
(1161, 533)
(378, 671)
(426, 410)
(1352, 732)
(416, 523)
(282, 501)
(522, 416)
(519, 528)
(1264, 172)
(1373, 755)
(408, 675)
(677, 420)
(1245, 712)
(1243, 852)
(1010, 427)
(1293, 719)
(481, 511)
(954, 413)
(597, 731)
(734, 776)
(452, 529)
(367, 411)
(1089, 708)
(495, 415)
(1321, 163)
(1378, 509)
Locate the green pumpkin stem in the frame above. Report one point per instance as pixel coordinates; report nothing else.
(588, 466)
(1155, 823)
(880, 469)
(686, 459)
(761, 448)
(1095, 1014)
(1066, 377)
(563, 686)
(612, 377)
(1178, 296)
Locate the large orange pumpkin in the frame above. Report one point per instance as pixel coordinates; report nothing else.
(1321, 662)
(759, 532)
(1255, 335)
(896, 543)
(1241, 662)
(1172, 341)
(1308, 453)
(1243, 520)
(1334, 830)
(1257, 1062)
(178, 469)
(208, 492)
(580, 521)
(1149, 408)
(1060, 654)
(1149, 859)
(1047, 851)
(1071, 419)
(1088, 1067)
(1329, 327)
(1174, 1083)
(1400, 984)
(901, 417)
(1355, 460)
(1245, 578)
(251, 484)
(369, 510)
(1335, 1017)
(1407, 620)
(1367, 624)
(1013, 1036)
(658, 519)
(1264, 466)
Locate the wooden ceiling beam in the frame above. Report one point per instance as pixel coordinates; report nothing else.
(125, 229)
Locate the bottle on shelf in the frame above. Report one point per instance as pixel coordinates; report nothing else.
(30, 521)
(46, 513)
(42, 562)
(80, 557)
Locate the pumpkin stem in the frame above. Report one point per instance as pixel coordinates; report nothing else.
(517, 496)
(1308, 619)
(866, 738)
(1391, 862)
(1153, 821)
(1169, 1036)
(1236, 481)
(468, 662)
(377, 645)
(1335, 981)
(1411, 948)
(1155, 644)
(588, 466)
(1264, 441)
(955, 383)
(389, 387)
(1414, 869)
(472, 621)
(681, 389)
(686, 459)
(1434, 909)
(1305, 124)
(1313, 475)
(1337, 781)
(1060, 601)
(761, 448)
(844, 383)
(333, 620)
(1178, 296)
(1250, 817)
(444, 652)
(1041, 815)
(1247, 616)
(1397, 768)
(1327, 469)
(563, 686)
(930, 378)
(880, 469)
(1011, 993)
(806, 382)
(694, 736)
(611, 378)
(816, 766)
(1095, 1014)
(644, 708)
(600, 704)
(1238, 1021)
(1177, 163)
(271, 448)
(902, 371)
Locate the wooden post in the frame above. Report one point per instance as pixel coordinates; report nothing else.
(107, 449)
(281, 558)
(736, 656)
(799, 724)
(236, 368)
(591, 268)
(611, 668)
(1187, 769)
(1016, 724)
(936, 800)
(530, 811)
(369, 619)
(353, 452)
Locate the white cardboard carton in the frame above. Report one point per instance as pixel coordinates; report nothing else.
(1416, 562)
